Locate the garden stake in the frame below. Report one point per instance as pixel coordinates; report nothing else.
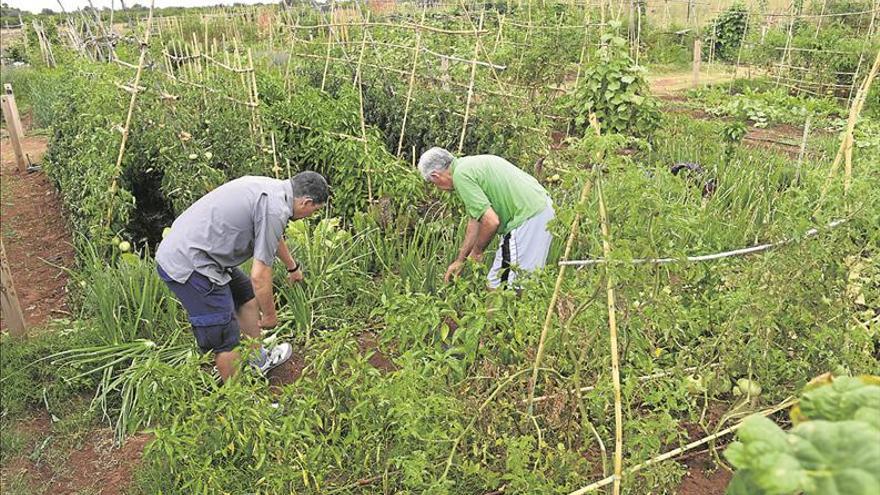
(255, 99)
(412, 79)
(470, 93)
(615, 356)
(137, 79)
(360, 85)
(846, 142)
(803, 150)
(329, 44)
(548, 317)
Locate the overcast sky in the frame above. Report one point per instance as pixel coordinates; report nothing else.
(38, 5)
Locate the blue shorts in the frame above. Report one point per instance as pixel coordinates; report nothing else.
(211, 307)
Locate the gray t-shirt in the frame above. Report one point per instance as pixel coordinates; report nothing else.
(241, 219)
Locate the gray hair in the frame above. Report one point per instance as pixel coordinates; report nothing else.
(435, 159)
(310, 185)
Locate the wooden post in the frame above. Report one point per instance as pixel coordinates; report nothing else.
(698, 57)
(9, 299)
(13, 124)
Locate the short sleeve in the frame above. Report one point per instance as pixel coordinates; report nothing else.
(475, 201)
(268, 229)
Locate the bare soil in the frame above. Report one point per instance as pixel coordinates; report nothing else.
(704, 477)
(95, 466)
(369, 345)
(287, 373)
(35, 235)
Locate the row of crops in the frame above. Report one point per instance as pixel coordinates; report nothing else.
(220, 97)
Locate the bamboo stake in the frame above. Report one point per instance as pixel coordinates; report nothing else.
(329, 44)
(275, 168)
(675, 452)
(256, 99)
(548, 316)
(360, 86)
(803, 150)
(131, 104)
(470, 93)
(615, 353)
(412, 80)
(787, 50)
(846, 143)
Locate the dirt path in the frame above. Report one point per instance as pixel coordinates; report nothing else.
(35, 235)
(675, 82)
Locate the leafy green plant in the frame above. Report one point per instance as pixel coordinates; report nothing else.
(614, 89)
(727, 30)
(833, 447)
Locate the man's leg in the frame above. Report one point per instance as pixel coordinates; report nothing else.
(530, 242)
(248, 315)
(247, 312)
(227, 364)
(500, 271)
(210, 311)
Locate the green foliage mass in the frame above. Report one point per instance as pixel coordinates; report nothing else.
(726, 32)
(614, 88)
(832, 449)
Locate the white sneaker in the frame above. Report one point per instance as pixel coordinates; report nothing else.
(277, 356)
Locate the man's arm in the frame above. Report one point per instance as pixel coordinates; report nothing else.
(284, 254)
(488, 227)
(470, 239)
(287, 259)
(261, 277)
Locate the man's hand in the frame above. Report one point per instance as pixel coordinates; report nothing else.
(453, 270)
(476, 256)
(295, 277)
(269, 321)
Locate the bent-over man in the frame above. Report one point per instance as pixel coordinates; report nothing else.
(498, 198)
(198, 260)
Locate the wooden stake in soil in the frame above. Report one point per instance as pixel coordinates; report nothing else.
(803, 150)
(412, 80)
(13, 124)
(548, 316)
(844, 152)
(470, 93)
(9, 298)
(255, 98)
(615, 354)
(360, 86)
(137, 79)
(698, 56)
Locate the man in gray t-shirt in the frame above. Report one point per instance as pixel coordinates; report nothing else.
(198, 260)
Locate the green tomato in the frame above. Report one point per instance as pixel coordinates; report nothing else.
(165, 232)
(744, 386)
(694, 384)
(125, 246)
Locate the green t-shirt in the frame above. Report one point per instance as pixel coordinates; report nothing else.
(482, 181)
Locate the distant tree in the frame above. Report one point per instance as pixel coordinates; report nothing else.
(47, 11)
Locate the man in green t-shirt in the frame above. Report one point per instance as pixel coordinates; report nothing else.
(498, 198)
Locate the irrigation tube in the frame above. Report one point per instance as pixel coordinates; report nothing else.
(707, 257)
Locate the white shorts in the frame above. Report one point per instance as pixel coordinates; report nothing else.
(523, 249)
